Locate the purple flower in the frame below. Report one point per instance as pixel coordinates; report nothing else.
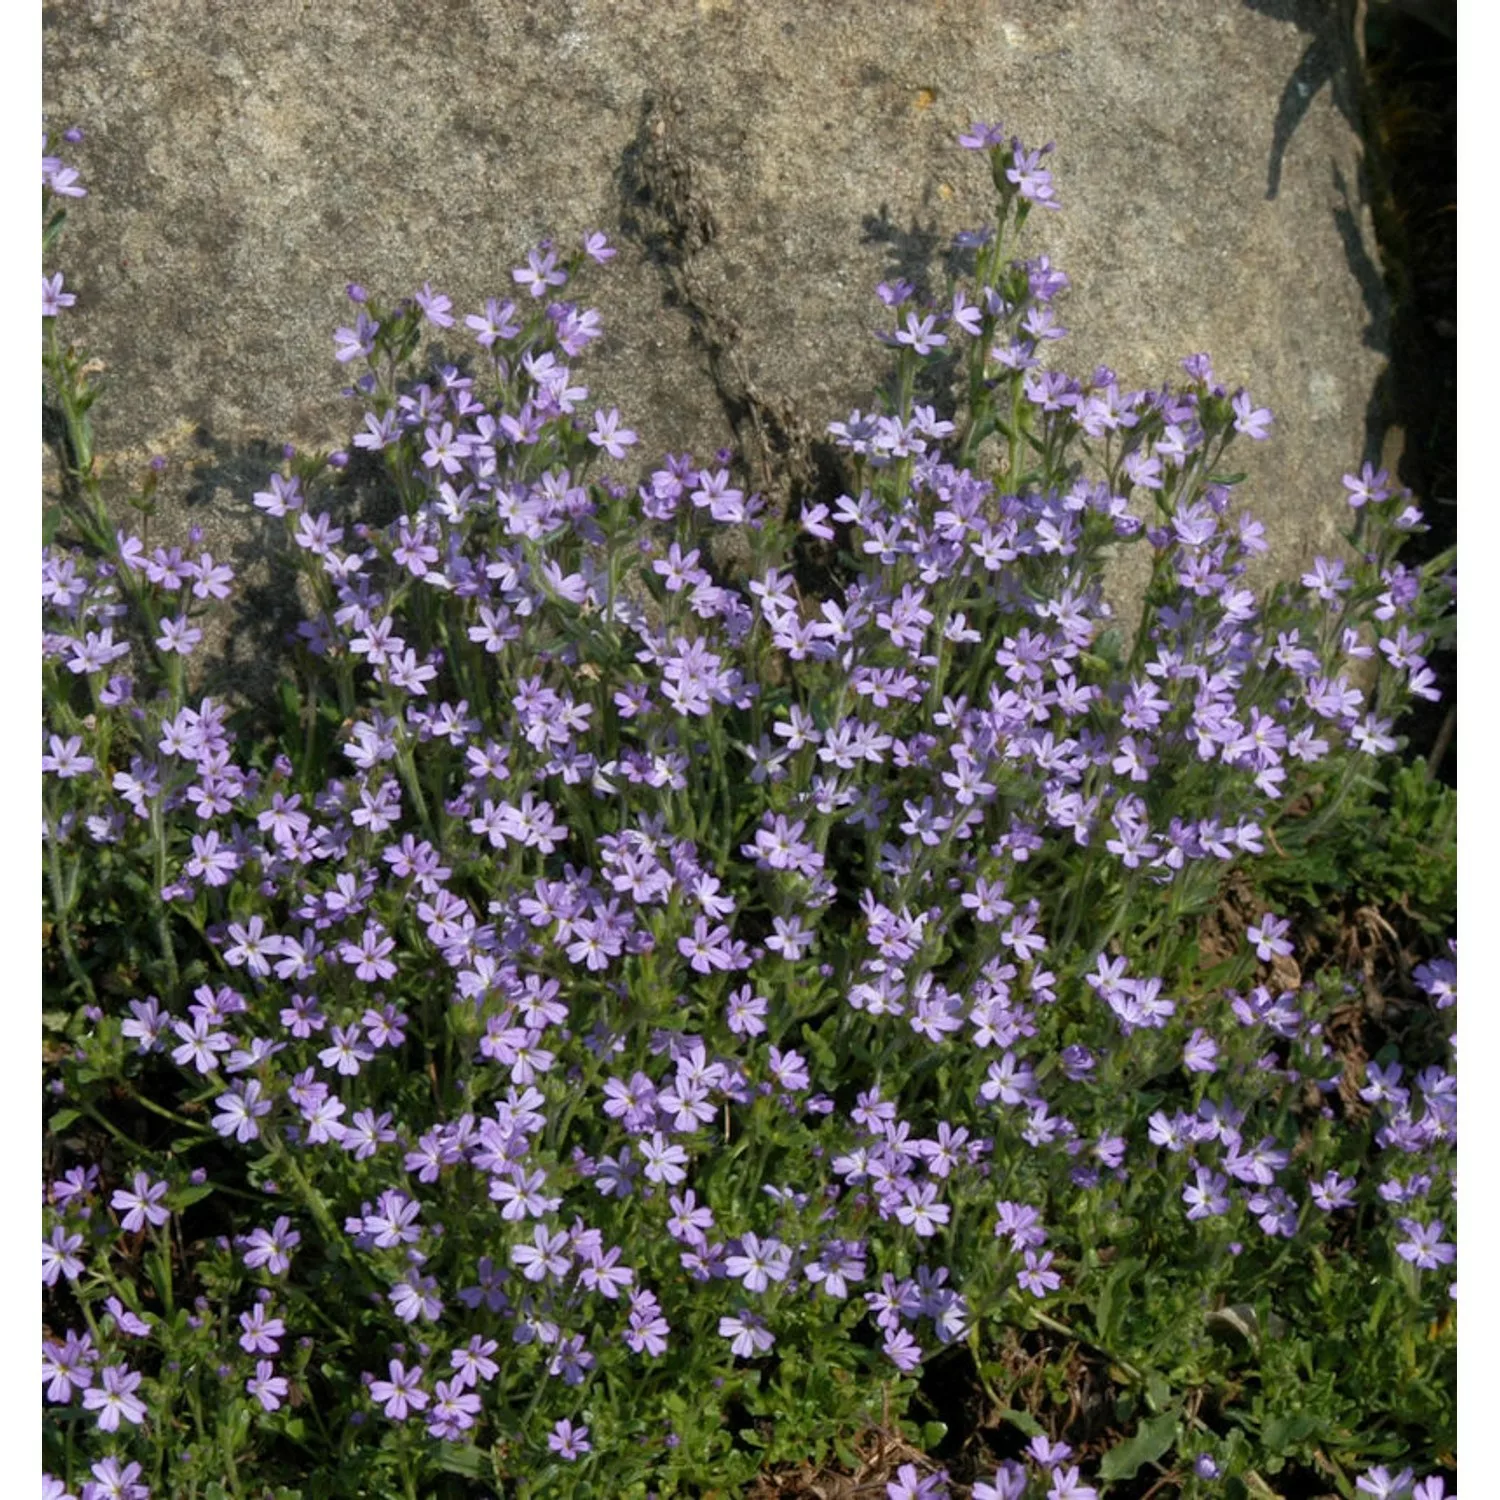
(266, 1386)
(114, 1481)
(920, 1209)
(66, 1366)
(1384, 1485)
(497, 323)
(114, 1398)
(66, 761)
(745, 1012)
(1367, 487)
(283, 496)
(909, 1485)
(648, 1330)
(436, 307)
(1021, 1222)
(568, 1441)
(706, 950)
(982, 137)
(394, 1220)
(760, 1262)
(609, 435)
(453, 1409)
(262, 1333)
(789, 1071)
(540, 272)
(368, 956)
(1438, 980)
(1009, 1483)
(350, 343)
(125, 1320)
(919, 334)
(213, 863)
(571, 1361)
(401, 1393)
(839, 1263)
(1254, 421)
(1036, 1277)
(902, 1350)
(1200, 1052)
(1205, 1195)
(597, 247)
(748, 1334)
(143, 1202)
(603, 1275)
(547, 1254)
(1332, 1192)
(665, 1161)
(60, 1256)
(1032, 182)
(240, 1111)
(53, 296)
(1047, 1453)
(367, 1133)
(1373, 735)
(416, 1298)
(1066, 1485)
(490, 1290)
(1424, 1245)
(74, 1183)
(472, 1363)
(1269, 937)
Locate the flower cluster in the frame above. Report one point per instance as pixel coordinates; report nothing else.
(672, 945)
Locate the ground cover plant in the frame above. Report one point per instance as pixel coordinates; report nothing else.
(670, 987)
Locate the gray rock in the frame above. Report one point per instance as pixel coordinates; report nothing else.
(245, 162)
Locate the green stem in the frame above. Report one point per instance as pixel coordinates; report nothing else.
(60, 912)
(163, 927)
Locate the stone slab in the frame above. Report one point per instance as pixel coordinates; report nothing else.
(246, 161)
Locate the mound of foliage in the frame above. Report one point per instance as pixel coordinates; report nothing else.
(667, 978)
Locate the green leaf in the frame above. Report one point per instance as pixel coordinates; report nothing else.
(462, 1458)
(822, 1053)
(62, 1119)
(1237, 1322)
(186, 1197)
(1023, 1420)
(933, 1433)
(1106, 1305)
(1152, 1439)
(1281, 1434)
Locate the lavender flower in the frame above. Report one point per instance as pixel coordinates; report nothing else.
(142, 1202)
(569, 1442)
(909, 1485)
(266, 1386)
(402, 1393)
(114, 1399)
